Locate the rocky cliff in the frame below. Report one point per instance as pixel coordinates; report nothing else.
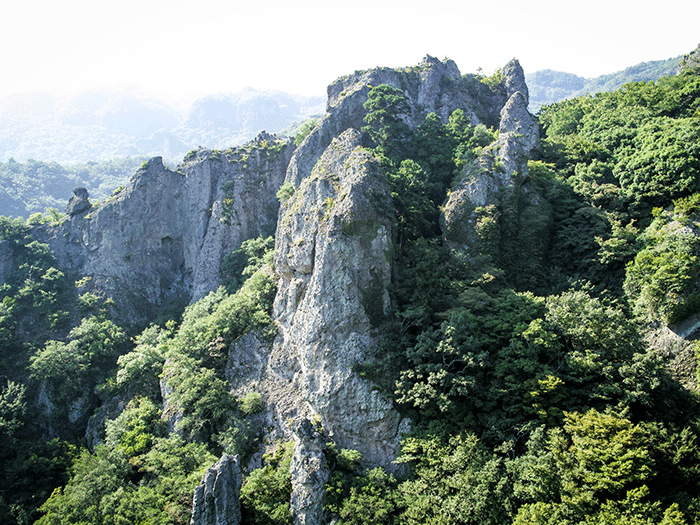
(333, 254)
(216, 499)
(501, 168)
(162, 240)
(430, 87)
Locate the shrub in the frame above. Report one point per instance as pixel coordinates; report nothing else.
(285, 192)
(305, 130)
(251, 403)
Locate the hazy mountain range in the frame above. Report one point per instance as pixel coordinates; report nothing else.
(104, 124)
(98, 138)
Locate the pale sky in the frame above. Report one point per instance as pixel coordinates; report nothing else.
(182, 49)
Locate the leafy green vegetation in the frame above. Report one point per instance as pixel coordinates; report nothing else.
(265, 495)
(304, 131)
(31, 187)
(145, 471)
(537, 367)
(527, 367)
(285, 192)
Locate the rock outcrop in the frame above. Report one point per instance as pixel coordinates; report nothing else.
(310, 472)
(514, 80)
(501, 166)
(430, 87)
(216, 499)
(79, 202)
(333, 254)
(161, 241)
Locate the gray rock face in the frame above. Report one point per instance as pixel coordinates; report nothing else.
(514, 80)
(217, 498)
(162, 240)
(247, 362)
(79, 202)
(430, 87)
(518, 136)
(171, 411)
(310, 472)
(499, 167)
(333, 253)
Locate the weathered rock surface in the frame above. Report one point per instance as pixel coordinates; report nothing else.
(216, 499)
(247, 362)
(430, 87)
(514, 80)
(161, 240)
(333, 254)
(502, 165)
(79, 202)
(310, 472)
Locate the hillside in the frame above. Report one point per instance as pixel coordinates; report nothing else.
(548, 86)
(36, 187)
(428, 307)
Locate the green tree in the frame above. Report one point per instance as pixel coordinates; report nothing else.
(74, 367)
(660, 281)
(456, 480)
(13, 409)
(267, 490)
(387, 108)
(244, 261)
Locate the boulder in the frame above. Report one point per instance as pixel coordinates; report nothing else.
(79, 202)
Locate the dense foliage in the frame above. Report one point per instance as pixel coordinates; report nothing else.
(32, 187)
(540, 398)
(146, 468)
(539, 369)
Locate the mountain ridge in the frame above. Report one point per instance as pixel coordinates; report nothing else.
(468, 315)
(549, 86)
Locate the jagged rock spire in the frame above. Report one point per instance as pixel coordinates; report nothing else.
(514, 80)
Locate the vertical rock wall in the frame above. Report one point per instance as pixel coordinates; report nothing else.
(333, 254)
(162, 239)
(501, 166)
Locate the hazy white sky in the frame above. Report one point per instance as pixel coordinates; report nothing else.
(181, 48)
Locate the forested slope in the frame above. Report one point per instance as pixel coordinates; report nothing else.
(35, 186)
(528, 313)
(548, 86)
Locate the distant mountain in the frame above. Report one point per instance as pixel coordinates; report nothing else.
(104, 124)
(548, 86)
